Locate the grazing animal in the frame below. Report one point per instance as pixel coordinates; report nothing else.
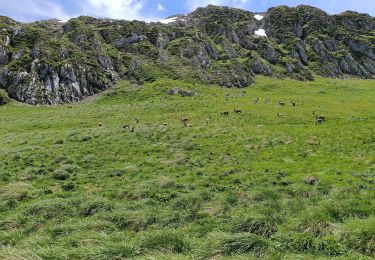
(281, 103)
(70, 106)
(126, 126)
(293, 103)
(225, 113)
(321, 118)
(238, 111)
(312, 180)
(185, 121)
(132, 130)
(100, 124)
(279, 114)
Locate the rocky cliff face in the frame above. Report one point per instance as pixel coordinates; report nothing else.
(51, 62)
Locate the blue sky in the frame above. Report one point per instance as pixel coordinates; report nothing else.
(152, 10)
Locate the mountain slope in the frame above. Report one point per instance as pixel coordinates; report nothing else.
(51, 62)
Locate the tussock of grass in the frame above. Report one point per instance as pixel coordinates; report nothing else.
(17, 190)
(166, 241)
(60, 175)
(359, 235)
(245, 244)
(114, 251)
(258, 226)
(300, 242)
(92, 206)
(51, 208)
(316, 224)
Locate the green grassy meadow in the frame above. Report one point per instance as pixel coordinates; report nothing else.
(75, 184)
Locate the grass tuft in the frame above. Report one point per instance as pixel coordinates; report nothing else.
(245, 244)
(258, 226)
(166, 241)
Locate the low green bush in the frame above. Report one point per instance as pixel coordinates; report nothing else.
(4, 98)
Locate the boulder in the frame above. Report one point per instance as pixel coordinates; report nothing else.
(179, 91)
(270, 54)
(258, 67)
(18, 54)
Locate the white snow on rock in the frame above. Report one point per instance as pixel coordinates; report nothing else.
(258, 17)
(261, 32)
(169, 20)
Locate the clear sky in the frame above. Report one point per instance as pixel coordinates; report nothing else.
(152, 10)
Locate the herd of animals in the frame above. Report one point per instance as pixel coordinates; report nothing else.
(186, 122)
(318, 118)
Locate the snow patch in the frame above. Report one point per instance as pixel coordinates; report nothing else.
(168, 20)
(258, 17)
(261, 32)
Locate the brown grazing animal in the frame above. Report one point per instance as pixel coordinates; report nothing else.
(238, 111)
(312, 180)
(185, 121)
(225, 113)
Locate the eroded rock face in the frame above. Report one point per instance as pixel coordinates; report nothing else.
(122, 42)
(270, 54)
(258, 67)
(49, 85)
(299, 52)
(362, 48)
(4, 59)
(18, 54)
(5, 77)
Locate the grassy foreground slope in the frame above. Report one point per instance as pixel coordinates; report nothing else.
(253, 184)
